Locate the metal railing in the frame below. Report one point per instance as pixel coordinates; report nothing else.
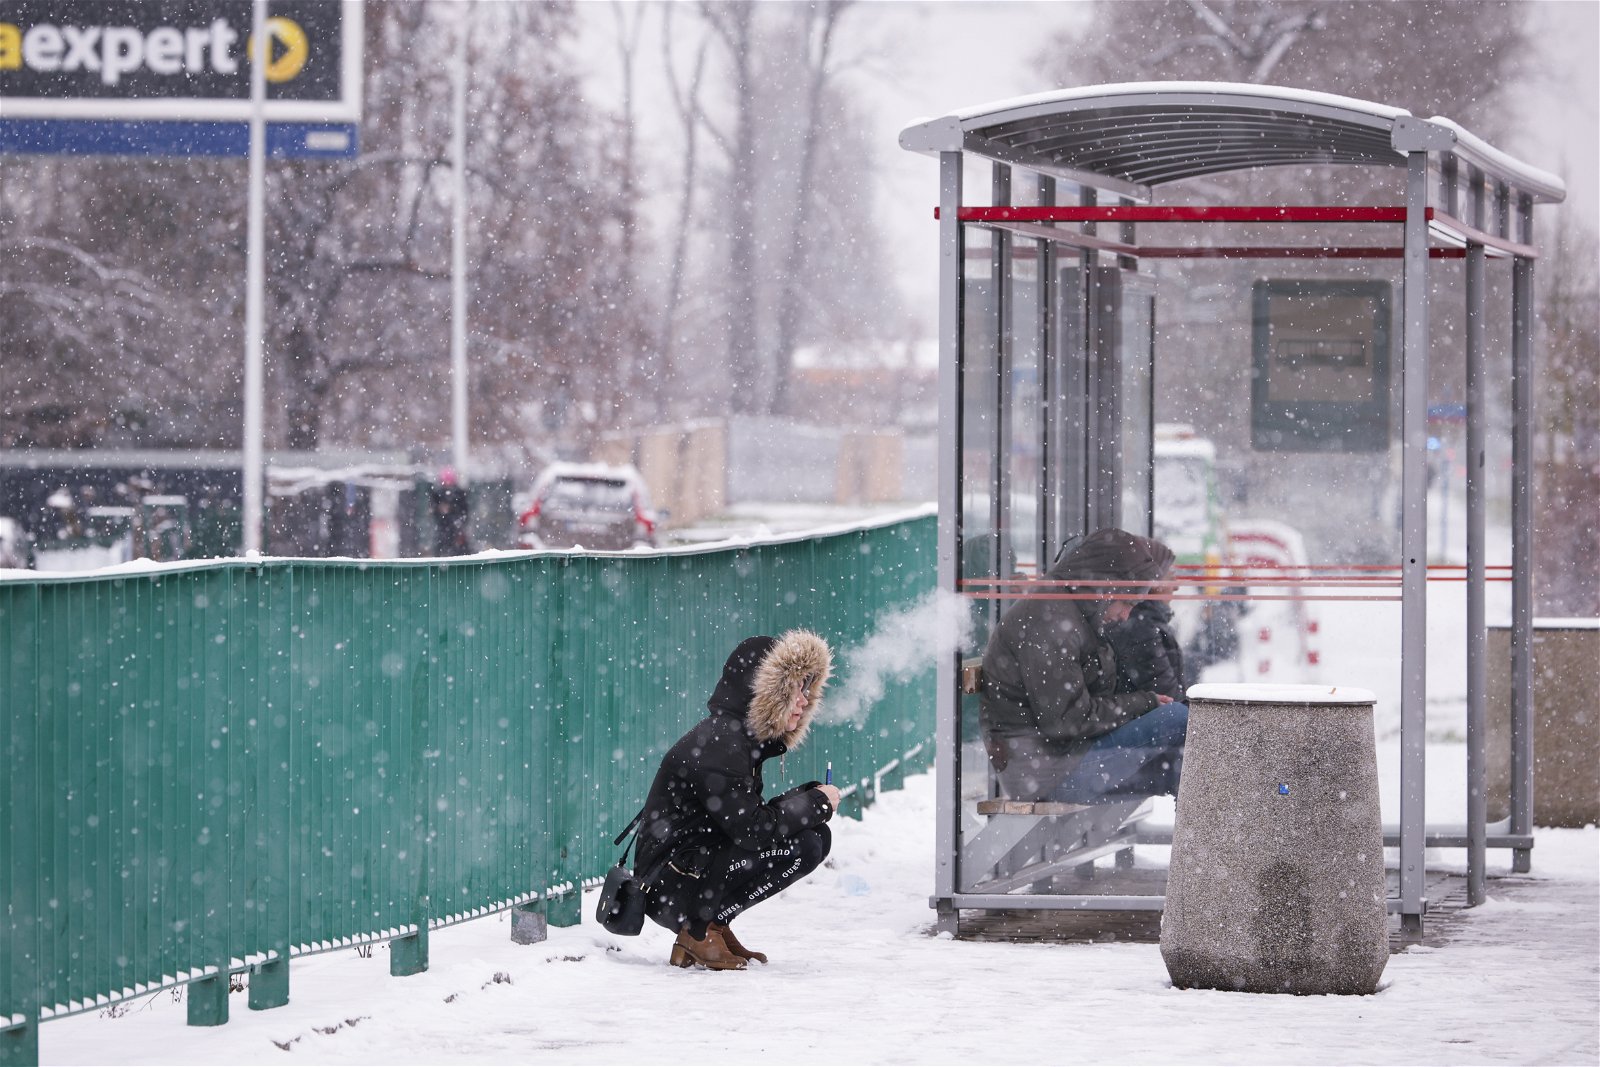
(217, 768)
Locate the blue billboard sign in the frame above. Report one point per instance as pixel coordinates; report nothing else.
(172, 77)
(122, 137)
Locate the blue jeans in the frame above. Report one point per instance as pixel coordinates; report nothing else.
(1139, 758)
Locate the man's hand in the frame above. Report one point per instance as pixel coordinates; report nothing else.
(832, 793)
(1162, 698)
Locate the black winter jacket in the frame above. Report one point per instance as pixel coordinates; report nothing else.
(707, 795)
(1149, 657)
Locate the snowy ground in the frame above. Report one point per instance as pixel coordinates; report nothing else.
(856, 977)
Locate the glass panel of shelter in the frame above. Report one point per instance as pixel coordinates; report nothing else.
(1051, 447)
(980, 556)
(1136, 354)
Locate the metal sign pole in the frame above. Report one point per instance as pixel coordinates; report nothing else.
(255, 281)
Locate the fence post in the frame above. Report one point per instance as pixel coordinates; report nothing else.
(563, 901)
(409, 954)
(893, 776)
(19, 1043)
(269, 985)
(563, 905)
(208, 997)
(208, 1000)
(264, 603)
(22, 929)
(529, 923)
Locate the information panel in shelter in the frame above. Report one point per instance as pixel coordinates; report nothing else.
(1320, 373)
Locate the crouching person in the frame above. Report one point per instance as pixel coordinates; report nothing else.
(719, 846)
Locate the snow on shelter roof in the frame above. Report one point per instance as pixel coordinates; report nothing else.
(1129, 137)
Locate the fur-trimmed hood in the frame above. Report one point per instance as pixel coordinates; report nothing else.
(759, 679)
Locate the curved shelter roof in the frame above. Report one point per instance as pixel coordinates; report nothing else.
(1131, 137)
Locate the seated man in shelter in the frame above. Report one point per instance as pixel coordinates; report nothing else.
(1053, 722)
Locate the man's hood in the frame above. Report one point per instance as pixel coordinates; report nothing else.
(1112, 555)
(759, 679)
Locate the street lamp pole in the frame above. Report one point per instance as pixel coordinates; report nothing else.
(255, 282)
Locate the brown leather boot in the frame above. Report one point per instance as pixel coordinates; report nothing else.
(711, 952)
(733, 943)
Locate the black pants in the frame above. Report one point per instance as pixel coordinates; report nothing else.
(714, 886)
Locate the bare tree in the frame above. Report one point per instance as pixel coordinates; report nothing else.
(1253, 45)
(109, 334)
(733, 23)
(786, 137)
(1431, 56)
(1566, 536)
(818, 26)
(70, 306)
(687, 106)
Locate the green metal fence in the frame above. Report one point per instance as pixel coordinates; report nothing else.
(218, 768)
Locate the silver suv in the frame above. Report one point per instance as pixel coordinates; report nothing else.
(590, 505)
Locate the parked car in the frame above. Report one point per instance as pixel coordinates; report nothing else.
(588, 504)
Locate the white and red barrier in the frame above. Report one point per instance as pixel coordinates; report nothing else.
(1279, 639)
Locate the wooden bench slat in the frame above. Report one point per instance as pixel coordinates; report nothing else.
(1029, 807)
(971, 676)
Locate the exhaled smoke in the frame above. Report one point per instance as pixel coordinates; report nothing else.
(902, 645)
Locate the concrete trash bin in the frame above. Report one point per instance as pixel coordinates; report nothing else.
(1276, 879)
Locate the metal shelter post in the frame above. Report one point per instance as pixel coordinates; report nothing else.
(1522, 538)
(1477, 811)
(1414, 544)
(1080, 385)
(947, 751)
(1049, 409)
(1004, 423)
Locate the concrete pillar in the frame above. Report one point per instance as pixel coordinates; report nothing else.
(1566, 722)
(1276, 882)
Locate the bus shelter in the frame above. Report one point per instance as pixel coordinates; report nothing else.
(1051, 336)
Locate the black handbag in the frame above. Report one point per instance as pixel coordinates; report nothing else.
(624, 895)
(622, 902)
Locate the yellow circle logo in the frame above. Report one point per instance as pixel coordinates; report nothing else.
(287, 35)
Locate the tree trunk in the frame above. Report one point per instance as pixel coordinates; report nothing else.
(305, 388)
(744, 367)
(794, 252)
(688, 106)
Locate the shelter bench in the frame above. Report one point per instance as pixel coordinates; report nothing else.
(1027, 842)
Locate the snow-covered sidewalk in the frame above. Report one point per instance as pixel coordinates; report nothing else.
(856, 977)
